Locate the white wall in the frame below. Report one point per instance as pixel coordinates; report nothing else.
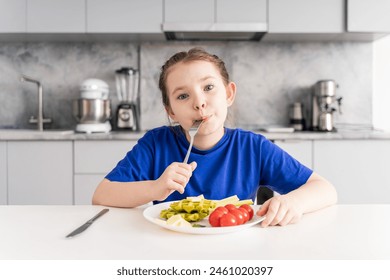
(381, 83)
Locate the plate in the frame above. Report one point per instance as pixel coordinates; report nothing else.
(152, 214)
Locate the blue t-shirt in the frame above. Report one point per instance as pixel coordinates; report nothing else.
(237, 165)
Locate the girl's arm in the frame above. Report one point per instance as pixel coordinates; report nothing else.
(133, 194)
(315, 194)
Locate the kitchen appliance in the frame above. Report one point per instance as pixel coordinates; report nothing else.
(93, 109)
(297, 120)
(322, 101)
(127, 115)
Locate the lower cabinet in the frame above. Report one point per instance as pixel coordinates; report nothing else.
(40, 172)
(301, 150)
(85, 186)
(359, 169)
(68, 172)
(92, 161)
(3, 173)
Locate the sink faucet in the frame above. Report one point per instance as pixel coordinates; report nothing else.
(39, 120)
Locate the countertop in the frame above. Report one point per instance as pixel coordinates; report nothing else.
(349, 232)
(29, 134)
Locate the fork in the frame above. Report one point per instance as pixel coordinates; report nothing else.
(192, 132)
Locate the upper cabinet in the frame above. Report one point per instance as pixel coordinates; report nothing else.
(215, 20)
(368, 16)
(306, 16)
(55, 16)
(345, 20)
(217, 11)
(286, 20)
(12, 16)
(124, 16)
(189, 11)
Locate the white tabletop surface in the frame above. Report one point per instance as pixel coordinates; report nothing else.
(339, 232)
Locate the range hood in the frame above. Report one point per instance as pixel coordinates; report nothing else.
(214, 31)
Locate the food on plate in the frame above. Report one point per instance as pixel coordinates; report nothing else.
(230, 215)
(177, 220)
(233, 200)
(248, 209)
(196, 208)
(190, 210)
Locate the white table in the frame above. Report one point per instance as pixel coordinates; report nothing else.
(355, 232)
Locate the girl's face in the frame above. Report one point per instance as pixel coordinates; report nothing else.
(196, 91)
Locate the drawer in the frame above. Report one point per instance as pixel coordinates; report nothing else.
(99, 157)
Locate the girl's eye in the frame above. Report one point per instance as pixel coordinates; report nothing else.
(182, 96)
(208, 87)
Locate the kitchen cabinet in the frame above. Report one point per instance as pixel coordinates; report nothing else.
(302, 150)
(357, 168)
(3, 173)
(124, 16)
(368, 16)
(40, 172)
(56, 16)
(13, 16)
(218, 11)
(92, 161)
(306, 16)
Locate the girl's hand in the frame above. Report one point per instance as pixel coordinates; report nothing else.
(280, 210)
(174, 178)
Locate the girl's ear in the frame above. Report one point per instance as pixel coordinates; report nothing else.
(230, 93)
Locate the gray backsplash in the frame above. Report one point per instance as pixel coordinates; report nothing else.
(269, 76)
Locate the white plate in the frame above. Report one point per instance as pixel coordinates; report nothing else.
(152, 214)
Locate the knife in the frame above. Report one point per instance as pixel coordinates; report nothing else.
(87, 224)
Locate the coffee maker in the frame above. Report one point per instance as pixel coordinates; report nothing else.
(127, 115)
(322, 101)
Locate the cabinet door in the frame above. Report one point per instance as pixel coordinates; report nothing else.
(243, 11)
(368, 16)
(56, 16)
(306, 16)
(99, 157)
(189, 11)
(124, 16)
(40, 172)
(3, 172)
(12, 16)
(358, 168)
(300, 150)
(85, 186)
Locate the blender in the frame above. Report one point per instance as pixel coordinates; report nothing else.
(127, 115)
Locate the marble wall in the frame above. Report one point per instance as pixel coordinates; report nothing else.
(269, 76)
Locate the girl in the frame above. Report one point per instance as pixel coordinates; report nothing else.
(224, 162)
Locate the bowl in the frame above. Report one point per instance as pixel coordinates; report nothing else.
(91, 111)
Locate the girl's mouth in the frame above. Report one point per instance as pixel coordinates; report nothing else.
(202, 119)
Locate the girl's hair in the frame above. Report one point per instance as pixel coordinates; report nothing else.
(193, 54)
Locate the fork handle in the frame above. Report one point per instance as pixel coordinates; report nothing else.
(189, 150)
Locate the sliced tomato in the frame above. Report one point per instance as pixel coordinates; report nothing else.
(215, 216)
(230, 207)
(223, 209)
(249, 209)
(228, 220)
(239, 216)
(244, 213)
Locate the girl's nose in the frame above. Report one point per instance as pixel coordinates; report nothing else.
(197, 107)
(199, 103)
